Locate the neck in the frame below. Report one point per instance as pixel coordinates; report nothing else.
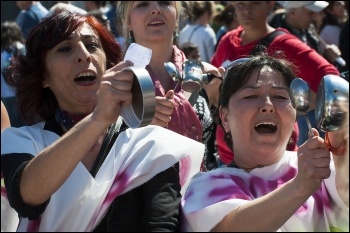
(252, 34)
(247, 169)
(68, 120)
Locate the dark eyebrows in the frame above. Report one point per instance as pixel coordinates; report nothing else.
(274, 87)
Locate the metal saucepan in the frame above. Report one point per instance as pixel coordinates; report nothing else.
(332, 103)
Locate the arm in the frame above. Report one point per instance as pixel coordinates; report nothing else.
(339, 140)
(310, 65)
(283, 202)
(5, 120)
(52, 166)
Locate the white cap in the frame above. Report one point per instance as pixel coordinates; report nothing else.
(315, 6)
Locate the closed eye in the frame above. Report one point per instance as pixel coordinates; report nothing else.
(281, 97)
(250, 97)
(64, 49)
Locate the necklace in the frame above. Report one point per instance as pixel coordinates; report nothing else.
(234, 165)
(67, 119)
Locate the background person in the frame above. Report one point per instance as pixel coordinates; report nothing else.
(30, 15)
(254, 26)
(12, 42)
(154, 25)
(335, 17)
(199, 30)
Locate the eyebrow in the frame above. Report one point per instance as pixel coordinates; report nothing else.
(258, 87)
(71, 37)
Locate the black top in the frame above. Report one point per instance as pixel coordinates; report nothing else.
(153, 206)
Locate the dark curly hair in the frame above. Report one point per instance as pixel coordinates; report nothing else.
(28, 71)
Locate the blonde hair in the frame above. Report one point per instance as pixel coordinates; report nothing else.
(123, 13)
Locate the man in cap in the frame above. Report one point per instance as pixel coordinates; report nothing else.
(297, 19)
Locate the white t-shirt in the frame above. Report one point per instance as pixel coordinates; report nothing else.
(201, 35)
(330, 34)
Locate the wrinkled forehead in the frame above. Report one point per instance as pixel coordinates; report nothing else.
(85, 30)
(266, 76)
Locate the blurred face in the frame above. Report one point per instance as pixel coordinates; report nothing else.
(339, 9)
(153, 21)
(302, 18)
(318, 17)
(74, 70)
(260, 117)
(23, 5)
(194, 55)
(252, 14)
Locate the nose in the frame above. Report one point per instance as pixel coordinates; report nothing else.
(83, 54)
(267, 106)
(246, 8)
(155, 9)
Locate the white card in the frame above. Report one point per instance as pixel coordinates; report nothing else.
(138, 54)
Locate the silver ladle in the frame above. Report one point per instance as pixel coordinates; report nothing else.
(299, 92)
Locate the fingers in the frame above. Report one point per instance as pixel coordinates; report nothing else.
(170, 94)
(314, 133)
(314, 160)
(114, 92)
(221, 70)
(164, 109)
(120, 66)
(209, 68)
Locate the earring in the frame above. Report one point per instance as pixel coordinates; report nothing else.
(131, 38)
(176, 37)
(228, 135)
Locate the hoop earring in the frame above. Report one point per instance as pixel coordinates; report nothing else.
(131, 38)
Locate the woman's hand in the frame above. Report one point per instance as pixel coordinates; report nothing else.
(164, 108)
(209, 68)
(313, 164)
(114, 93)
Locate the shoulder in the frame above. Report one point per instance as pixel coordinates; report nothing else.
(276, 19)
(231, 34)
(29, 139)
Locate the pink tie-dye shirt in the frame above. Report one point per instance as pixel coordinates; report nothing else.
(204, 206)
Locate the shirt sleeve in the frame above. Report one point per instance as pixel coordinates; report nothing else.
(310, 65)
(12, 166)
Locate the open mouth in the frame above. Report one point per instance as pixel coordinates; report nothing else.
(85, 78)
(155, 23)
(266, 127)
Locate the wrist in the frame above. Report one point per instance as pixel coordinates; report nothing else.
(336, 151)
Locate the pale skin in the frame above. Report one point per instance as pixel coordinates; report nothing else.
(266, 99)
(153, 24)
(101, 98)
